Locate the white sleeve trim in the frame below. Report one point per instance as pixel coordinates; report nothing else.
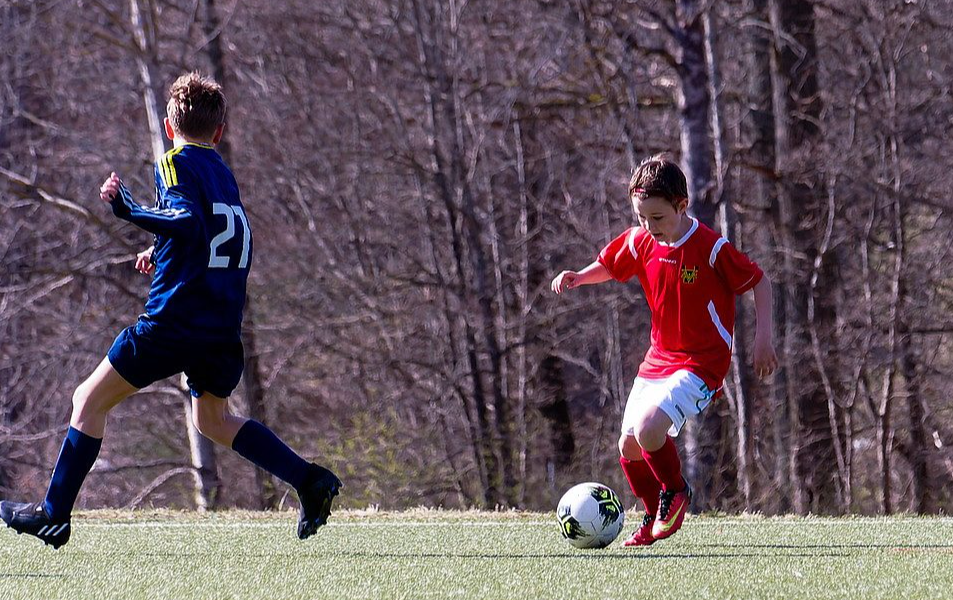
(714, 251)
(718, 324)
(630, 242)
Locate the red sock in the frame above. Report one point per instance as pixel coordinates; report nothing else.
(666, 465)
(643, 482)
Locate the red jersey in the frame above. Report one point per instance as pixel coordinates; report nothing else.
(690, 287)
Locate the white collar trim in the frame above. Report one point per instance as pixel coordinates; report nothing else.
(685, 237)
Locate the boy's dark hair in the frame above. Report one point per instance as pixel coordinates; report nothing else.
(196, 105)
(659, 176)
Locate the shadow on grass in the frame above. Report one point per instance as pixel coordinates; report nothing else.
(819, 551)
(584, 555)
(581, 555)
(857, 546)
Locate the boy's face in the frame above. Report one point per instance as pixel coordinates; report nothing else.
(657, 215)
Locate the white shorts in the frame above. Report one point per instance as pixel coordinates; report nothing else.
(680, 395)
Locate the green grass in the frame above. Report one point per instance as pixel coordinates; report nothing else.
(436, 554)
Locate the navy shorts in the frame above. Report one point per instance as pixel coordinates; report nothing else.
(142, 357)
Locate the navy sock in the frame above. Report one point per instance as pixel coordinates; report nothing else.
(76, 458)
(260, 445)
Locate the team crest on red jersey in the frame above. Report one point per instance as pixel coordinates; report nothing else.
(689, 275)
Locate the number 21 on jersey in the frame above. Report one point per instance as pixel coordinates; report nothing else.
(218, 260)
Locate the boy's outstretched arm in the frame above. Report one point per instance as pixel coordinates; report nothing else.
(765, 358)
(177, 221)
(567, 280)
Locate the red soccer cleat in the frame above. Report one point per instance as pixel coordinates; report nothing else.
(671, 512)
(643, 535)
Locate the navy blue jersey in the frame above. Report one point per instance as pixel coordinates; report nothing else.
(203, 246)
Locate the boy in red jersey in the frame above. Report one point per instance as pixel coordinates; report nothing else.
(690, 276)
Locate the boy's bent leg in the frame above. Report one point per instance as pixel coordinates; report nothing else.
(95, 397)
(50, 520)
(672, 401)
(643, 484)
(651, 428)
(213, 419)
(252, 440)
(316, 486)
(676, 495)
(658, 450)
(92, 401)
(642, 480)
(661, 456)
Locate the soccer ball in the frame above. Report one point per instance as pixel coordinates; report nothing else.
(590, 515)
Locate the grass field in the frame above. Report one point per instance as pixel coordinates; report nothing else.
(437, 554)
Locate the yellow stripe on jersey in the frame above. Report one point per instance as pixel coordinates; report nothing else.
(162, 172)
(175, 176)
(170, 167)
(167, 167)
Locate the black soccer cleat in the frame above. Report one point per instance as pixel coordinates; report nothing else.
(316, 497)
(33, 519)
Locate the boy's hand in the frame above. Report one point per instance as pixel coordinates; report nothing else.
(565, 281)
(144, 261)
(765, 358)
(109, 188)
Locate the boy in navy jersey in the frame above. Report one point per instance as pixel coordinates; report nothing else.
(690, 276)
(192, 322)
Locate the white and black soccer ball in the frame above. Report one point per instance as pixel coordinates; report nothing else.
(590, 515)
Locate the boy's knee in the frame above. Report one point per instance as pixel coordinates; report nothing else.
(629, 447)
(203, 423)
(649, 437)
(83, 401)
(207, 422)
(79, 400)
(651, 429)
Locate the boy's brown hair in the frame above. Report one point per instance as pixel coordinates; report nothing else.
(659, 176)
(196, 105)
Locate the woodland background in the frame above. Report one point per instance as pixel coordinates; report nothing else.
(416, 172)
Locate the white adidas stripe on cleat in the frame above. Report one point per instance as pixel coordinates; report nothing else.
(51, 530)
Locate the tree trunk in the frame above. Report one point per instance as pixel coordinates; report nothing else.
(202, 449)
(266, 493)
(442, 179)
(798, 217)
(550, 385)
(459, 197)
(147, 63)
(742, 397)
(473, 416)
(693, 110)
(208, 486)
(703, 434)
(759, 128)
(918, 454)
(922, 500)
